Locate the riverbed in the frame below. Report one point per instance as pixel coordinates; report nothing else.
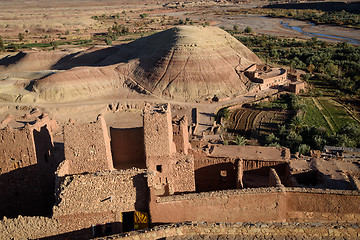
(281, 27)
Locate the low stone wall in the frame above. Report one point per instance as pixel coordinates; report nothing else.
(78, 226)
(116, 191)
(260, 230)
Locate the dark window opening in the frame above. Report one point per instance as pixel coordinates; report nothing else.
(159, 168)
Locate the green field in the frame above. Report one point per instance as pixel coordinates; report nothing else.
(325, 112)
(313, 115)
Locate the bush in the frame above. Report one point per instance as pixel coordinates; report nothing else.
(248, 30)
(304, 149)
(108, 41)
(240, 140)
(236, 28)
(2, 45)
(21, 37)
(223, 113)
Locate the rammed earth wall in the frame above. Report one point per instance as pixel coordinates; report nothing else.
(261, 204)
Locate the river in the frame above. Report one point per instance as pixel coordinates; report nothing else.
(320, 35)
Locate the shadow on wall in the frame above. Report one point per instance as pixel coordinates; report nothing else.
(220, 176)
(314, 178)
(46, 163)
(127, 147)
(22, 194)
(142, 193)
(29, 191)
(100, 230)
(259, 177)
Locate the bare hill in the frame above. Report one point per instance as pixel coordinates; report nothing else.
(184, 63)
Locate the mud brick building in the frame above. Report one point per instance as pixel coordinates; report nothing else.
(105, 179)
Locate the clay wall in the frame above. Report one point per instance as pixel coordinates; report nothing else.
(256, 173)
(127, 147)
(296, 87)
(213, 174)
(171, 174)
(160, 174)
(87, 147)
(334, 206)
(27, 171)
(183, 174)
(259, 204)
(17, 149)
(158, 132)
(186, 230)
(274, 179)
(181, 135)
(251, 152)
(117, 191)
(221, 206)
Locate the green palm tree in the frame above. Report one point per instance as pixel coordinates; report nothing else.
(240, 140)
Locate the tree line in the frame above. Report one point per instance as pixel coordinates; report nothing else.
(333, 64)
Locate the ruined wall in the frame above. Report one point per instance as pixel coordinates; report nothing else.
(296, 87)
(323, 205)
(116, 191)
(64, 227)
(181, 135)
(158, 133)
(256, 173)
(87, 147)
(171, 174)
(26, 168)
(17, 149)
(251, 152)
(213, 174)
(222, 206)
(127, 147)
(183, 174)
(259, 204)
(160, 174)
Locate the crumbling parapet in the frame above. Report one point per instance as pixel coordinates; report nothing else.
(87, 147)
(116, 191)
(354, 181)
(26, 170)
(240, 174)
(181, 135)
(17, 149)
(158, 132)
(274, 179)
